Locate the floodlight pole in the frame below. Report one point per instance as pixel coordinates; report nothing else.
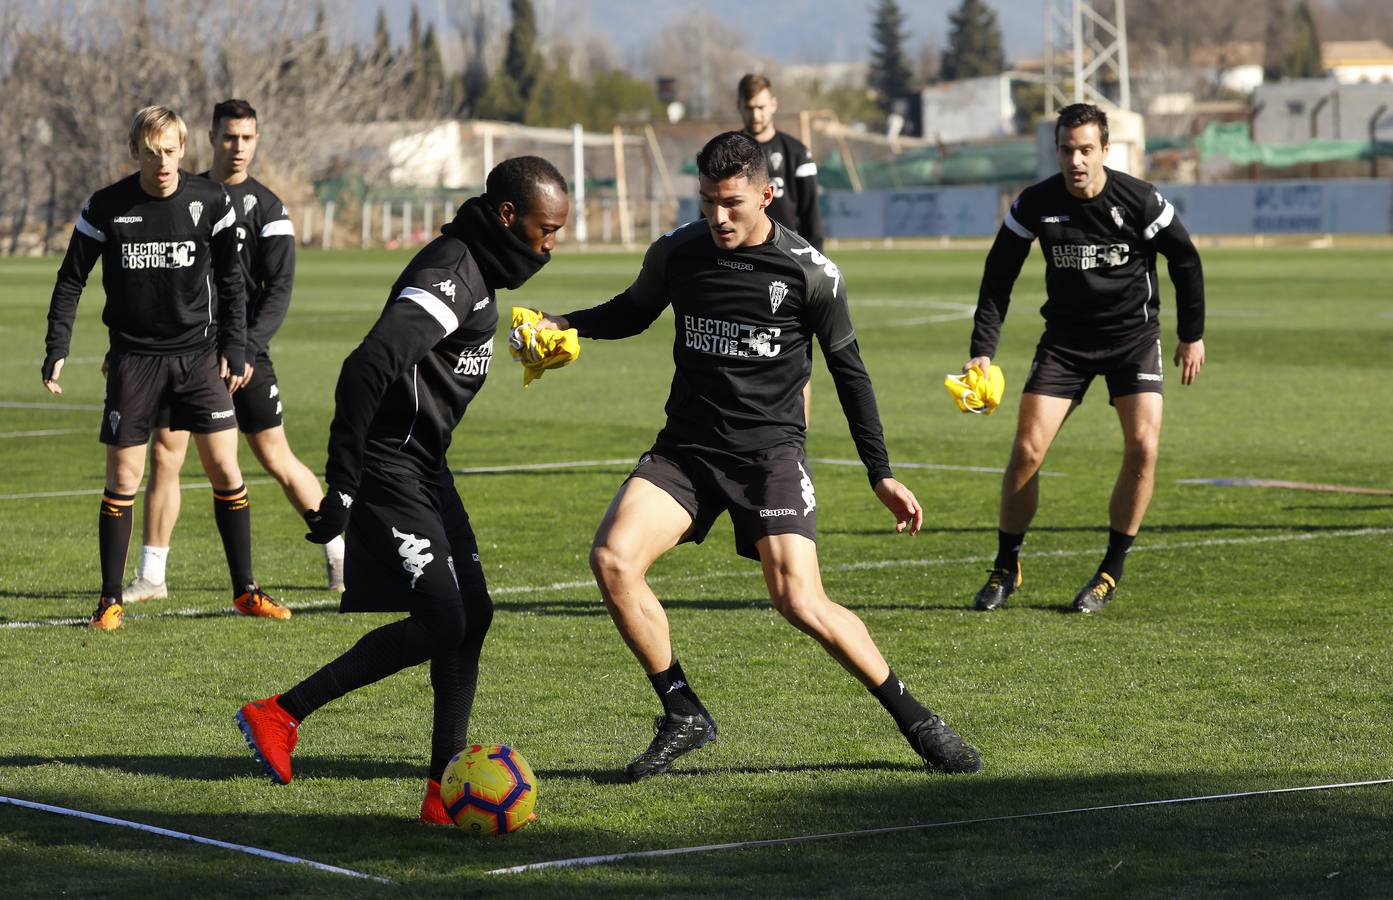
(578, 168)
(1096, 42)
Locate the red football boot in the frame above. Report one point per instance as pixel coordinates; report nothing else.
(271, 733)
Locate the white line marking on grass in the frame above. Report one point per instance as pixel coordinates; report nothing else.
(43, 432)
(541, 467)
(942, 467)
(197, 839)
(753, 573)
(1288, 485)
(92, 492)
(78, 407)
(898, 829)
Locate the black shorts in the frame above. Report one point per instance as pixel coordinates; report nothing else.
(258, 401)
(186, 388)
(409, 546)
(767, 491)
(1132, 367)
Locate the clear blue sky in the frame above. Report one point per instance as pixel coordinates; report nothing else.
(802, 31)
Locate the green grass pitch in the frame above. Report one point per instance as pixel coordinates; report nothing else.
(1248, 649)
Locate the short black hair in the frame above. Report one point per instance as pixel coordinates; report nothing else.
(730, 155)
(519, 180)
(1077, 114)
(232, 109)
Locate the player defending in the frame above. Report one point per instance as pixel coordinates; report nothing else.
(165, 239)
(399, 397)
(792, 171)
(266, 252)
(1100, 231)
(748, 298)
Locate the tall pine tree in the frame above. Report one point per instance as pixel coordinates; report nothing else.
(889, 74)
(522, 63)
(974, 43)
(1292, 46)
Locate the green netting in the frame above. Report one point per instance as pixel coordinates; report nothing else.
(1232, 141)
(1002, 161)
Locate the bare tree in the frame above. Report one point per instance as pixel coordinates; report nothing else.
(707, 55)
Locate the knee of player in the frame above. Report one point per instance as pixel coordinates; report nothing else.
(611, 565)
(1143, 449)
(800, 608)
(478, 613)
(446, 628)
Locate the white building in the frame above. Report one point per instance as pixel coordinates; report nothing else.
(1358, 62)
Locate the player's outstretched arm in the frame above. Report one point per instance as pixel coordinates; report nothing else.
(902, 503)
(1189, 356)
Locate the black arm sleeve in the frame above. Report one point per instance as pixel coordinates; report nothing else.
(278, 262)
(232, 298)
(618, 318)
(1003, 265)
(1183, 263)
(83, 253)
(809, 215)
(858, 405)
(403, 334)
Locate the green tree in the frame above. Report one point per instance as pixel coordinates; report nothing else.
(889, 73)
(522, 63)
(1292, 46)
(974, 43)
(381, 39)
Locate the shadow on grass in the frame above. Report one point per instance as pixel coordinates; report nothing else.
(1062, 834)
(223, 768)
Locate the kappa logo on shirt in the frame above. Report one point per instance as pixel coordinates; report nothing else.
(736, 264)
(196, 210)
(829, 268)
(447, 287)
(126, 220)
(414, 559)
(1053, 220)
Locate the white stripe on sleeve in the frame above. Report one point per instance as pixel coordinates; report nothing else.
(806, 169)
(89, 229)
(225, 221)
(1017, 228)
(438, 309)
(1162, 221)
(280, 226)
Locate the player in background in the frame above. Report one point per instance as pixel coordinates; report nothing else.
(1100, 231)
(792, 173)
(400, 395)
(176, 319)
(266, 253)
(749, 297)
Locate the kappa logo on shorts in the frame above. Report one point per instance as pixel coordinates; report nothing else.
(414, 559)
(221, 414)
(196, 210)
(275, 391)
(806, 485)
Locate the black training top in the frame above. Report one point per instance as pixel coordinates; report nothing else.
(266, 250)
(169, 270)
(1100, 264)
(405, 388)
(794, 175)
(745, 321)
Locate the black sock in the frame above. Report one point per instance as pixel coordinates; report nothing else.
(454, 677)
(114, 527)
(676, 694)
(233, 513)
(1116, 557)
(900, 703)
(379, 653)
(1008, 550)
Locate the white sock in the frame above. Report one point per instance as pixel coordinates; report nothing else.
(334, 549)
(152, 560)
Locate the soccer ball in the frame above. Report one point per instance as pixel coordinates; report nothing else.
(489, 790)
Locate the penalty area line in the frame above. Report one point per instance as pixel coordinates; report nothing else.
(195, 838)
(898, 829)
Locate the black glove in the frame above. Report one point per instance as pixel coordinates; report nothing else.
(49, 362)
(329, 521)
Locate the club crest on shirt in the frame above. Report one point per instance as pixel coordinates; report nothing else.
(1117, 215)
(776, 159)
(196, 210)
(777, 292)
(248, 204)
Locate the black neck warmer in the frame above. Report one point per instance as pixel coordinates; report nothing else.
(504, 259)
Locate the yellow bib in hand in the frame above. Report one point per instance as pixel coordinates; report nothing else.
(974, 393)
